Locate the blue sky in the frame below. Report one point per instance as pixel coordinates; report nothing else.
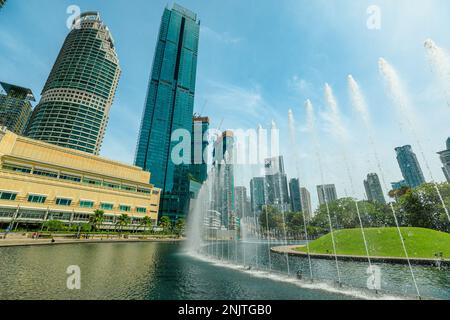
(257, 59)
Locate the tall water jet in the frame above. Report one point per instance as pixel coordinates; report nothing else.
(360, 105)
(440, 65)
(399, 97)
(312, 126)
(293, 140)
(333, 105)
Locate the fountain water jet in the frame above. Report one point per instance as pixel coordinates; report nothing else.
(360, 106)
(312, 123)
(440, 65)
(332, 103)
(400, 100)
(297, 159)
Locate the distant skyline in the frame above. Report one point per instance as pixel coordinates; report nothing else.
(258, 59)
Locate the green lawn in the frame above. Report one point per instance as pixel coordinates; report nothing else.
(384, 242)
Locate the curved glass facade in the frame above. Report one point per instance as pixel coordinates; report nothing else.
(79, 92)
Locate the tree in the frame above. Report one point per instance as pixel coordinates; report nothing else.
(180, 227)
(54, 225)
(146, 222)
(271, 220)
(97, 219)
(123, 221)
(165, 224)
(422, 207)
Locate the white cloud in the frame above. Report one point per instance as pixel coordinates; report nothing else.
(223, 37)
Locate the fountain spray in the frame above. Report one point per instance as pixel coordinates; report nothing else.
(312, 125)
(334, 108)
(293, 139)
(360, 106)
(399, 97)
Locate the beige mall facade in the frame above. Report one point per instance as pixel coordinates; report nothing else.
(42, 182)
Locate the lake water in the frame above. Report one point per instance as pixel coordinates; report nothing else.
(163, 271)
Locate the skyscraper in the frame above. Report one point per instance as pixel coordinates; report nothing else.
(257, 195)
(374, 191)
(445, 159)
(306, 203)
(276, 185)
(327, 193)
(241, 202)
(224, 188)
(295, 195)
(169, 105)
(79, 92)
(410, 167)
(2, 2)
(199, 165)
(15, 107)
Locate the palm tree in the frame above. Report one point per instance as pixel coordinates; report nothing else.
(165, 224)
(146, 222)
(123, 221)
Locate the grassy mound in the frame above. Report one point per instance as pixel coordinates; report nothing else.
(384, 242)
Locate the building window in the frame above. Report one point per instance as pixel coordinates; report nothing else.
(69, 177)
(106, 206)
(124, 208)
(111, 185)
(17, 168)
(36, 199)
(141, 210)
(92, 182)
(45, 173)
(8, 196)
(63, 202)
(128, 188)
(86, 204)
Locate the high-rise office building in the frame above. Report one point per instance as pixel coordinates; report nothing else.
(276, 185)
(241, 198)
(399, 185)
(295, 195)
(15, 107)
(327, 193)
(169, 106)
(445, 159)
(199, 154)
(374, 191)
(224, 188)
(306, 203)
(257, 195)
(79, 92)
(410, 167)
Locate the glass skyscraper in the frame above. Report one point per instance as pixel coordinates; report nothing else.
(306, 203)
(199, 156)
(276, 184)
(257, 194)
(327, 193)
(79, 92)
(295, 195)
(15, 107)
(169, 106)
(410, 167)
(224, 187)
(374, 191)
(445, 159)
